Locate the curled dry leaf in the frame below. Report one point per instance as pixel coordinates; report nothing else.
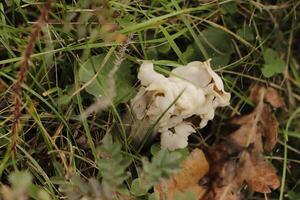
(186, 180)
(260, 176)
(269, 95)
(261, 123)
(258, 125)
(239, 159)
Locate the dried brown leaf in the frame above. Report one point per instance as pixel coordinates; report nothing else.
(258, 125)
(269, 125)
(239, 159)
(257, 92)
(247, 134)
(270, 95)
(186, 180)
(273, 98)
(226, 185)
(259, 175)
(228, 192)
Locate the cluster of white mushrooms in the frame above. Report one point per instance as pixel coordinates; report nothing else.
(194, 89)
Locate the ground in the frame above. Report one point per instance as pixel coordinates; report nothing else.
(68, 69)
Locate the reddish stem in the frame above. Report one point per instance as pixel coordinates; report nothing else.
(17, 88)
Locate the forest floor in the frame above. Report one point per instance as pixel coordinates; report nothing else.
(64, 129)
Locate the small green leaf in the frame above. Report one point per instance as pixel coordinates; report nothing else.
(20, 180)
(152, 53)
(269, 55)
(246, 33)
(43, 195)
(162, 164)
(229, 8)
(164, 48)
(112, 164)
(125, 21)
(267, 70)
(293, 195)
(139, 187)
(153, 196)
(273, 64)
(78, 181)
(183, 152)
(57, 180)
(63, 100)
(123, 190)
(123, 78)
(37, 192)
(191, 53)
(155, 149)
(217, 45)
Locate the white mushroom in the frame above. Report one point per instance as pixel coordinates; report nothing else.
(194, 89)
(147, 75)
(194, 72)
(178, 139)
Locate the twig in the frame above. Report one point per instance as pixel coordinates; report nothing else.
(17, 88)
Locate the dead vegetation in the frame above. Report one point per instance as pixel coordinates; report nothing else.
(235, 162)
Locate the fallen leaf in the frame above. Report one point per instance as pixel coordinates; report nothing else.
(247, 134)
(269, 126)
(260, 177)
(270, 95)
(274, 98)
(259, 125)
(228, 192)
(186, 180)
(225, 181)
(239, 158)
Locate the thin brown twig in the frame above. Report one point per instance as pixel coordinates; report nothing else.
(17, 88)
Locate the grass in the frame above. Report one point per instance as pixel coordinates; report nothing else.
(55, 144)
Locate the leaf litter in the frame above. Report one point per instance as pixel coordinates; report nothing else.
(235, 161)
(193, 168)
